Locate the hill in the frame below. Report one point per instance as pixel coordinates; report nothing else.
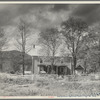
(15, 57)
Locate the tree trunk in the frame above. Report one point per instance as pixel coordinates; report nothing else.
(1, 58)
(74, 64)
(99, 53)
(23, 62)
(85, 67)
(51, 68)
(52, 65)
(74, 58)
(23, 50)
(53, 58)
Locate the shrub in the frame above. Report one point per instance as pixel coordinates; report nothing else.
(41, 83)
(12, 72)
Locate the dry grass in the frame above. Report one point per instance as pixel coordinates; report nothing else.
(48, 85)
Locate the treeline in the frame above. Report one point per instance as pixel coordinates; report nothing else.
(82, 41)
(74, 36)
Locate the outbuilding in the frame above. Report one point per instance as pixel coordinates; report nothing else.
(79, 70)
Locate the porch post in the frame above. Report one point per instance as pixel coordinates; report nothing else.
(48, 69)
(32, 66)
(39, 69)
(56, 69)
(66, 70)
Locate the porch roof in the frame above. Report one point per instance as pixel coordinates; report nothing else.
(43, 64)
(79, 68)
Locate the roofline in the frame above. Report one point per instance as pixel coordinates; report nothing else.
(54, 65)
(52, 56)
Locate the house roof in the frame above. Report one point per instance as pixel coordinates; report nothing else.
(79, 68)
(48, 64)
(80, 62)
(49, 59)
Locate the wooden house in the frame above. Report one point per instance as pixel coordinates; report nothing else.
(61, 65)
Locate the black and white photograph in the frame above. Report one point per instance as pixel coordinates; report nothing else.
(49, 50)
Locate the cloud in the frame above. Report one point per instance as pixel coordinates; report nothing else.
(88, 12)
(49, 14)
(59, 7)
(44, 17)
(9, 12)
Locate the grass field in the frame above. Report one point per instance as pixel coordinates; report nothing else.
(48, 85)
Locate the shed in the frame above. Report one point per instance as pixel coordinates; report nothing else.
(79, 70)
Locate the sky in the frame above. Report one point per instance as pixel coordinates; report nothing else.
(42, 16)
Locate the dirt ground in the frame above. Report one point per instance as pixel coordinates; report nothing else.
(48, 85)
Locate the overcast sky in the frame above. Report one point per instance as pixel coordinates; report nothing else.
(44, 16)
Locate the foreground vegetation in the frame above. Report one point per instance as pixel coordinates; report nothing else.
(49, 85)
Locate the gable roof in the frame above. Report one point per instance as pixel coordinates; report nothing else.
(79, 68)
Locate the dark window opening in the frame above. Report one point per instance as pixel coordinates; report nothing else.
(41, 69)
(62, 70)
(41, 61)
(62, 61)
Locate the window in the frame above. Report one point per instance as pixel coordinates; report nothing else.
(41, 61)
(62, 61)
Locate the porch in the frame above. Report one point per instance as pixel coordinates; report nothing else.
(57, 69)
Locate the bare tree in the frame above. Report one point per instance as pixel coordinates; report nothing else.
(73, 31)
(22, 39)
(96, 40)
(94, 45)
(50, 42)
(3, 44)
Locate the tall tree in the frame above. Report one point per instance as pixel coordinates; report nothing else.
(74, 30)
(94, 44)
(22, 39)
(3, 44)
(50, 42)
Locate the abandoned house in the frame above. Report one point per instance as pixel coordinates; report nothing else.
(43, 65)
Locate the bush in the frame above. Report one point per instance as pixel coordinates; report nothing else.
(12, 72)
(41, 83)
(95, 77)
(13, 79)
